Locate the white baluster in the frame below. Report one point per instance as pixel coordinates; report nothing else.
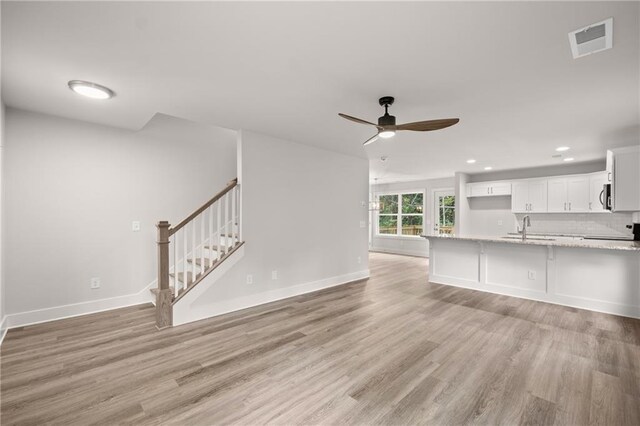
(226, 222)
(239, 212)
(202, 225)
(193, 250)
(218, 229)
(175, 262)
(184, 259)
(210, 234)
(233, 216)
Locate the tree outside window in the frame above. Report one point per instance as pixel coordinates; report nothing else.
(447, 213)
(401, 214)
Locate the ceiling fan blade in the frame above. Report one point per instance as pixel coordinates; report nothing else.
(425, 126)
(371, 139)
(357, 120)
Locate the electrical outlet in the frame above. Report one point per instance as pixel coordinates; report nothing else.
(499, 223)
(95, 283)
(135, 226)
(532, 275)
(274, 275)
(249, 279)
(363, 224)
(359, 259)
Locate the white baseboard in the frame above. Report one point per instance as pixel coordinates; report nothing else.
(555, 299)
(3, 328)
(416, 253)
(76, 309)
(198, 312)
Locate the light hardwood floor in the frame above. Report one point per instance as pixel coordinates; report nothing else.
(391, 350)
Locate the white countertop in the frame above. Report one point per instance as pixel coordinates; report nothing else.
(547, 241)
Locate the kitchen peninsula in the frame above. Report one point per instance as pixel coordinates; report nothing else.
(600, 275)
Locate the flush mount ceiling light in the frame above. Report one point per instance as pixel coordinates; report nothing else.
(562, 148)
(568, 159)
(91, 90)
(471, 161)
(488, 168)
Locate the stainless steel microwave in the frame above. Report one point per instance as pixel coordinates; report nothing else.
(605, 197)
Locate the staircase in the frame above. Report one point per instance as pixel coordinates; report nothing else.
(191, 250)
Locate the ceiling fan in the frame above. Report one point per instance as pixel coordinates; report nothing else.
(387, 127)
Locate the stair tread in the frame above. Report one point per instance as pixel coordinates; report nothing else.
(206, 271)
(215, 247)
(207, 262)
(156, 289)
(181, 276)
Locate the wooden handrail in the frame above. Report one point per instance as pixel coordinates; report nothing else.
(232, 184)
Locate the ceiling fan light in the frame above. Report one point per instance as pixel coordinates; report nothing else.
(386, 134)
(90, 90)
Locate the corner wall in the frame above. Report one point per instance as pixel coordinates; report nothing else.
(302, 209)
(72, 192)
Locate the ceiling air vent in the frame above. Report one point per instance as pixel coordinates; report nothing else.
(592, 38)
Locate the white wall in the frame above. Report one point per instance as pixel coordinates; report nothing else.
(72, 190)
(408, 245)
(301, 215)
(3, 322)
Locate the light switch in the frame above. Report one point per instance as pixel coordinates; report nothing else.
(363, 224)
(135, 226)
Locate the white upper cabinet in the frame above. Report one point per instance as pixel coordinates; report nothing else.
(568, 194)
(538, 195)
(488, 189)
(626, 179)
(520, 196)
(578, 194)
(557, 195)
(596, 191)
(529, 196)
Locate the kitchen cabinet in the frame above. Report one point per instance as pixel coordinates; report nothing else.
(626, 179)
(596, 191)
(568, 194)
(529, 196)
(488, 189)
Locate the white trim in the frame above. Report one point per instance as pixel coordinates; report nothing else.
(38, 316)
(398, 237)
(558, 299)
(3, 328)
(196, 313)
(415, 253)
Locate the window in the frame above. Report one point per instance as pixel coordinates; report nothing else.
(401, 214)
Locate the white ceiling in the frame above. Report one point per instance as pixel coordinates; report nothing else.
(287, 69)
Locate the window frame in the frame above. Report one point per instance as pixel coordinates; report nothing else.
(400, 215)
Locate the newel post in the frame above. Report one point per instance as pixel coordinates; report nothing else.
(164, 295)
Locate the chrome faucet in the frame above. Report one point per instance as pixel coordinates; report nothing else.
(526, 221)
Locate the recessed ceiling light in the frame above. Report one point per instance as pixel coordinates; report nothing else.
(488, 168)
(562, 148)
(471, 161)
(386, 134)
(568, 159)
(90, 90)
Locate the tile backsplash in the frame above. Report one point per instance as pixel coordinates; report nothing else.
(611, 224)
